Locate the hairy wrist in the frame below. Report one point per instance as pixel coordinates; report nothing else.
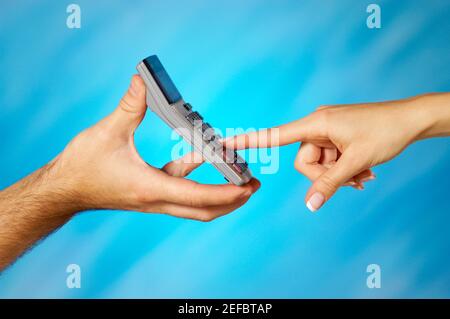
(31, 209)
(44, 194)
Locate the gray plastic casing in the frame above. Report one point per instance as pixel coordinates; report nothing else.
(175, 115)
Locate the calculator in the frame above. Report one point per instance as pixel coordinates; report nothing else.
(164, 99)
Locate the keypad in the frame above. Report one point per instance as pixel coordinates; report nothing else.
(209, 136)
(194, 117)
(208, 132)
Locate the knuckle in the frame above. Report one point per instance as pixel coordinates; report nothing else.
(173, 170)
(328, 184)
(193, 200)
(198, 202)
(126, 105)
(298, 166)
(184, 171)
(324, 115)
(322, 107)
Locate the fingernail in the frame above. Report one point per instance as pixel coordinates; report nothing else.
(368, 178)
(315, 201)
(132, 88)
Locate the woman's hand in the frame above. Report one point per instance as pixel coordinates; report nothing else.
(340, 144)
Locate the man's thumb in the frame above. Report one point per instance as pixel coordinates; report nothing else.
(131, 110)
(329, 182)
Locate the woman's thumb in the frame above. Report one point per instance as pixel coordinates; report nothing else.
(329, 182)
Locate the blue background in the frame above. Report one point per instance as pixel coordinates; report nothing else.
(241, 64)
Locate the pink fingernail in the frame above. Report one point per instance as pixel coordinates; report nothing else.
(315, 201)
(368, 178)
(133, 88)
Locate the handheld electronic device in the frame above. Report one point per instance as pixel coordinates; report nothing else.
(164, 99)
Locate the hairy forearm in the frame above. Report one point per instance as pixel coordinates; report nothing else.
(31, 209)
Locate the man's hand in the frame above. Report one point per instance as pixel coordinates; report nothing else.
(101, 169)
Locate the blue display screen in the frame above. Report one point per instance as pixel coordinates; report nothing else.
(162, 79)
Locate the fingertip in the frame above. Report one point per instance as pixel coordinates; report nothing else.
(315, 201)
(246, 190)
(137, 86)
(136, 78)
(232, 142)
(256, 184)
(244, 141)
(252, 186)
(359, 186)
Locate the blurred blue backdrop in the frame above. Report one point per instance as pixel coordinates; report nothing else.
(241, 64)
